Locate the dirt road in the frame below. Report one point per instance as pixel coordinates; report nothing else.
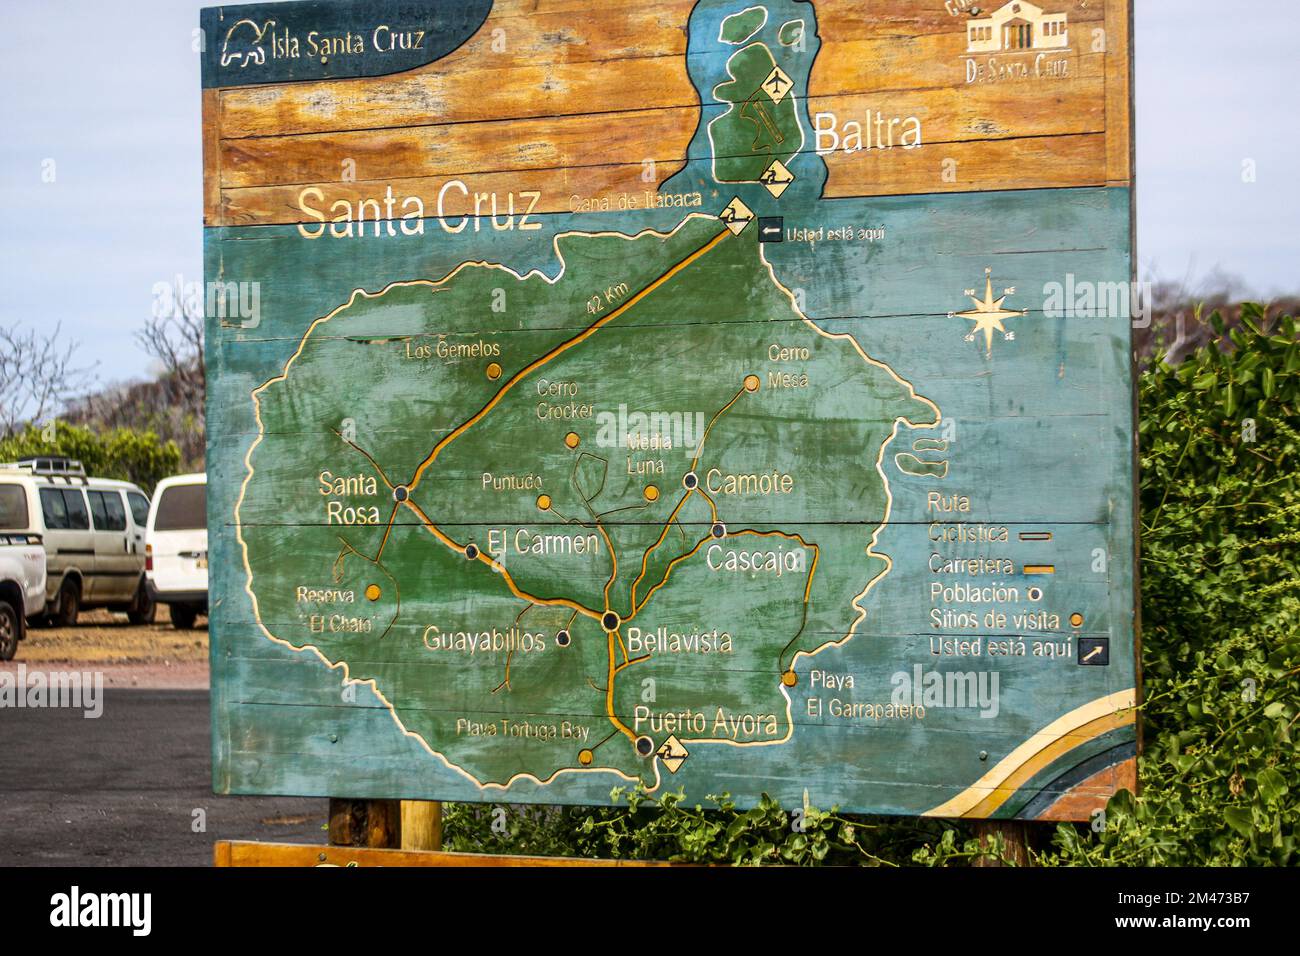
(150, 656)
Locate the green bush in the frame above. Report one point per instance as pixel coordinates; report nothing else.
(121, 453)
(1220, 579)
(1220, 772)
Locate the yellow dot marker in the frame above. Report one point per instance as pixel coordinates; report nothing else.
(572, 439)
(494, 371)
(585, 757)
(373, 592)
(544, 502)
(752, 383)
(651, 493)
(789, 678)
(1076, 619)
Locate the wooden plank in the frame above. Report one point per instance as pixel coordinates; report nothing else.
(491, 146)
(243, 854)
(840, 20)
(916, 70)
(1040, 163)
(421, 825)
(365, 823)
(1119, 93)
(1005, 842)
(577, 174)
(212, 125)
(446, 93)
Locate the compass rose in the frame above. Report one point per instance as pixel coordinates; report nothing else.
(988, 314)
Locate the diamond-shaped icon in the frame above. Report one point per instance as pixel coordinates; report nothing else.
(776, 178)
(778, 85)
(673, 754)
(737, 216)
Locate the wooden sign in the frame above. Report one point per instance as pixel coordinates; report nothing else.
(728, 396)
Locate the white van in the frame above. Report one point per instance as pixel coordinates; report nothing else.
(93, 533)
(176, 547)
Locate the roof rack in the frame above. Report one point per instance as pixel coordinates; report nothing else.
(49, 465)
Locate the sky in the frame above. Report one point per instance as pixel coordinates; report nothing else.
(116, 108)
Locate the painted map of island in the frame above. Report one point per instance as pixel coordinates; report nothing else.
(537, 516)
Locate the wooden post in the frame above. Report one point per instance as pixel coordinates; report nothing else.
(1015, 842)
(421, 825)
(366, 823)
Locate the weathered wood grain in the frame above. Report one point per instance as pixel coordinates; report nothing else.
(259, 170)
(478, 114)
(227, 853)
(365, 823)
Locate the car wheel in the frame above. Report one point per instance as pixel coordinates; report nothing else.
(69, 606)
(9, 631)
(142, 609)
(183, 617)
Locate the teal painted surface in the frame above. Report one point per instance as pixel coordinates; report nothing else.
(1039, 439)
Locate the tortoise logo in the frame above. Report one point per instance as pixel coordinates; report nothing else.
(244, 43)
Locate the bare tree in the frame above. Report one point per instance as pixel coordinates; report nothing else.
(38, 375)
(175, 339)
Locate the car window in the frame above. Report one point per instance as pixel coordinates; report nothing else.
(97, 510)
(13, 507)
(106, 507)
(182, 508)
(116, 510)
(64, 509)
(53, 509)
(75, 502)
(139, 508)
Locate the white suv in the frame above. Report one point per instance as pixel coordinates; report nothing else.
(22, 577)
(93, 533)
(176, 548)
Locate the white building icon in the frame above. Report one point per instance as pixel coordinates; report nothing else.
(1017, 26)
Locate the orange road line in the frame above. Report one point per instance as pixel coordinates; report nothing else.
(807, 591)
(713, 505)
(668, 572)
(506, 683)
(613, 557)
(387, 531)
(490, 562)
(699, 453)
(560, 349)
(368, 458)
(609, 695)
(645, 558)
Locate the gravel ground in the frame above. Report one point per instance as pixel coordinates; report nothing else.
(149, 656)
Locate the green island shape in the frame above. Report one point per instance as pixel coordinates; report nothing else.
(757, 128)
(739, 27)
(446, 502)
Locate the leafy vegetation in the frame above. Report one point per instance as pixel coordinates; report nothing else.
(1220, 770)
(1221, 610)
(122, 453)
